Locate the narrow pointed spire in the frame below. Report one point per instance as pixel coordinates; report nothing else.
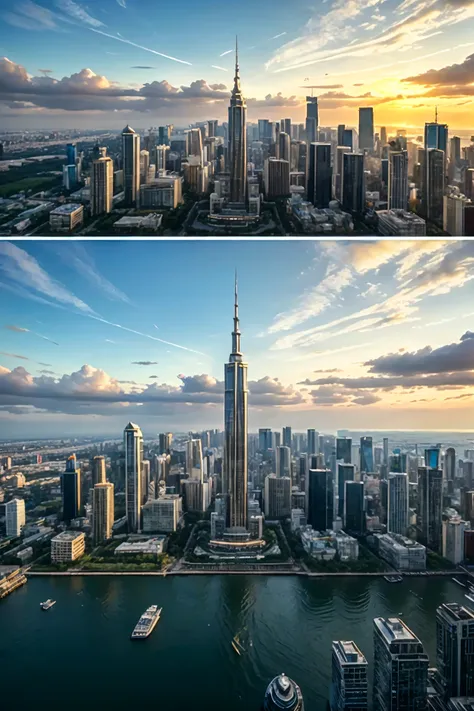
(237, 89)
(236, 354)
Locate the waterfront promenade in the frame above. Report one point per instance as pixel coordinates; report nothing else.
(181, 571)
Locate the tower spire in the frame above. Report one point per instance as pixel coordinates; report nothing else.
(236, 331)
(237, 68)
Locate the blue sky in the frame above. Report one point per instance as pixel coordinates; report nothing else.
(336, 334)
(355, 53)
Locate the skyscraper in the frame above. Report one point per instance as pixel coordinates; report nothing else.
(133, 445)
(450, 464)
(235, 417)
(102, 184)
(131, 165)
(400, 667)
(71, 490)
(385, 450)
(98, 471)
(283, 461)
(455, 649)
(194, 459)
(285, 142)
(312, 119)
(286, 432)
(237, 139)
(349, 687)
(312, 442)
(434, 184)
(165, 440)
(15, 517)
(277, 497)
(102, 512)
(353, 182)
(344, 449)
(354, 507)
(320, 499)
(339, 172)
(276, 178)
(397, 180)
(319, 182)
(430, 507)
(264, 439)
(283, 693)
(432, 457)
(397, 514)
(436, 136)
(345, 472)
(366, 128)
(366, 454)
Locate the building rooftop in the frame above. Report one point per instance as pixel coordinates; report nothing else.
(394, 629)
(66, 209)
(455, 613)
(67, 536)
(348, 653)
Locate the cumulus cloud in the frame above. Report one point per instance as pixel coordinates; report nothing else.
(453, 74)
(91, 386)
(451, 358)
(274, 100)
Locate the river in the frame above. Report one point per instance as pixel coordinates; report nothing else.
(79, 654)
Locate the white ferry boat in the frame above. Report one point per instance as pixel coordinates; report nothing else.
(147, 622)
(47, 604)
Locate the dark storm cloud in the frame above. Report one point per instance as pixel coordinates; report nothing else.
(454, 74)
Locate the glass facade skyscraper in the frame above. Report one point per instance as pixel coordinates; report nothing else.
(237, 139)
(319, 187)
(320, 499)
(345, 472)
(366, 454)
(71, 490)
(455, 649)
(131, 165)
(134, 495)
(354, 507)
(344, 449)
(400, 668)
(397, 180)
(236, 428)
(312, 119)
(366, 128)
(312, 442)
(353, 183)
(430, 507)
(349, 686)
(397, 504)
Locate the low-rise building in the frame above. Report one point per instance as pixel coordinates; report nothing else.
(67, 546)
(66, 218)
(298, 519)
(317, 544)
(129, 223)
(162, 514)
(347, 547)
(402, 553)
(400, 223)
(165, 191)
(153, 546)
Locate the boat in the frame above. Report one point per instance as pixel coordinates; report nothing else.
(237, 646)
(459, 582)
(393, 578)
(147, 622)
(47, 604)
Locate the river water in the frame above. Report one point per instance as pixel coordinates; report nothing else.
(79, 654)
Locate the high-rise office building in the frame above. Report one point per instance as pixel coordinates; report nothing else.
(102, 512)
(385, 450)
(436, 136)
(366, 454)
(345, 472)
(397, 180)
(98, 470)
(450, 464)
(131, 165)
(15, 517)
(164, 135)
(102, 184)
(340, 134)
(236, 428)
(194, 468)
(400, 667)
(276, 178)
(283, 461)
(366, 128)
(133, 445)
(354, 507)
(319, 182)
(339, 172)
(237, 139)
(71, 490)
(286, 437)
(434, 184)
(312, 119)
(453, 539)
(397, 504)
(455, 649)
(212, 126)
(344, 449)
(283, 693)
(312, 446)
(353, 182)
(320, 499)
(165, 440)
(284, 143)
(277, 497)
(71, 154)
(264, 439)
(432, 457)
(430, 507)
(349, 686)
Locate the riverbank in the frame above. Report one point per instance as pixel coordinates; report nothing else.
(268, 573)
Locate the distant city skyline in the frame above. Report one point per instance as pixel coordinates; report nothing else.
(69, 65)
(357, 335)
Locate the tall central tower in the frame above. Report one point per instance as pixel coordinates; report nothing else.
(237, 138)
(235, 414)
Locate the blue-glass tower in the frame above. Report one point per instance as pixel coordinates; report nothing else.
(235, 416)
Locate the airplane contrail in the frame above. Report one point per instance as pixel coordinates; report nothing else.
(133, 44)
(214, 66)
